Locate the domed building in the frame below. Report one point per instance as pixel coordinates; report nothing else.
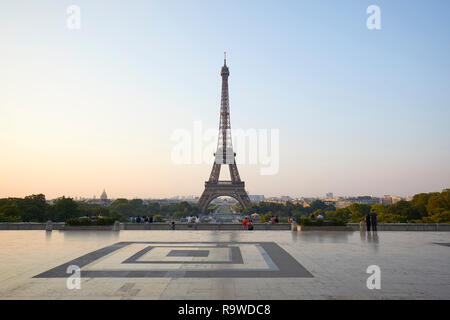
(104, 196)
(103, 200)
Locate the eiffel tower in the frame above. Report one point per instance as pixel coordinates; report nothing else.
(224, 155)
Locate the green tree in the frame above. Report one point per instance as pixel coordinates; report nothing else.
(65, 208)
(33, 208)
(10, 210)
(265, 217)
(358, 211)
(405, 210)
(439, 202)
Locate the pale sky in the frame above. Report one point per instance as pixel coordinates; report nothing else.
(359, 112)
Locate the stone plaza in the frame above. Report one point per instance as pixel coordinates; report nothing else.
(267, 265)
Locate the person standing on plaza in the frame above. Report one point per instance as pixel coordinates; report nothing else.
(244, 222)
(368, 222)
(362, 228)
(373, 220)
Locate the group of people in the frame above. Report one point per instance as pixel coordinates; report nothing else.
(193, 219)
(140, 219)
(371, 220)
(247, 223)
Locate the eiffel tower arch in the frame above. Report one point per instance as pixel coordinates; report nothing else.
(224, 155)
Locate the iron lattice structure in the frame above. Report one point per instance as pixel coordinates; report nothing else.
(224, 156)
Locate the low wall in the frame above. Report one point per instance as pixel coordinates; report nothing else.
(87, 228)
(29, 226)
(406, 226)
(226, 226)
(203, 226)
(143, 226)
(324, 228)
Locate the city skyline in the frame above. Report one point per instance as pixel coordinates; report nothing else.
(360, 112)
(103, 195)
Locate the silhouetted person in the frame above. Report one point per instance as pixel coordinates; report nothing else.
(373, 220)
(172, 225)
(368, 223)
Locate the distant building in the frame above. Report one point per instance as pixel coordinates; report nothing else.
(345, 202)
(103, 200)
(386, 200)
(104, 196)
(396, 199)
(329, 195)
(256, 198)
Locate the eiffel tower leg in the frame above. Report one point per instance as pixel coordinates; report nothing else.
(204, 201)
(243, 199)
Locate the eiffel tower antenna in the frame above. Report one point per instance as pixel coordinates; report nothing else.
(224, 156)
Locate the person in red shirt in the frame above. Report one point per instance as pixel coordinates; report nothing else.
(244, 223)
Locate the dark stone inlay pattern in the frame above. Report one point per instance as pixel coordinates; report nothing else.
(188, 253)
(236, 256)
(287, 266)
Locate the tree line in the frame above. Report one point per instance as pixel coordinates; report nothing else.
(35, 208)
(424, 207)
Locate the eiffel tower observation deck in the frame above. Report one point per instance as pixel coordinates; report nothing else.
(224, 155)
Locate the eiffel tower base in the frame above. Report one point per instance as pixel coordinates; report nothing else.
(214, 190)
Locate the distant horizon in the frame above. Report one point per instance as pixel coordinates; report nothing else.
(251, 194)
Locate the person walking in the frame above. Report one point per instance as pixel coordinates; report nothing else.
(196, 221)
(244, 223)
(368, 222)
(373, 220)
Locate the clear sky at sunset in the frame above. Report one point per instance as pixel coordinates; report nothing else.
(359, 112)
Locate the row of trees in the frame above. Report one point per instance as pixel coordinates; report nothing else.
(35, 208)
(287, 210)
(424, 207)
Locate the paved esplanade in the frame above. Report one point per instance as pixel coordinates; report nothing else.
(224, 265)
